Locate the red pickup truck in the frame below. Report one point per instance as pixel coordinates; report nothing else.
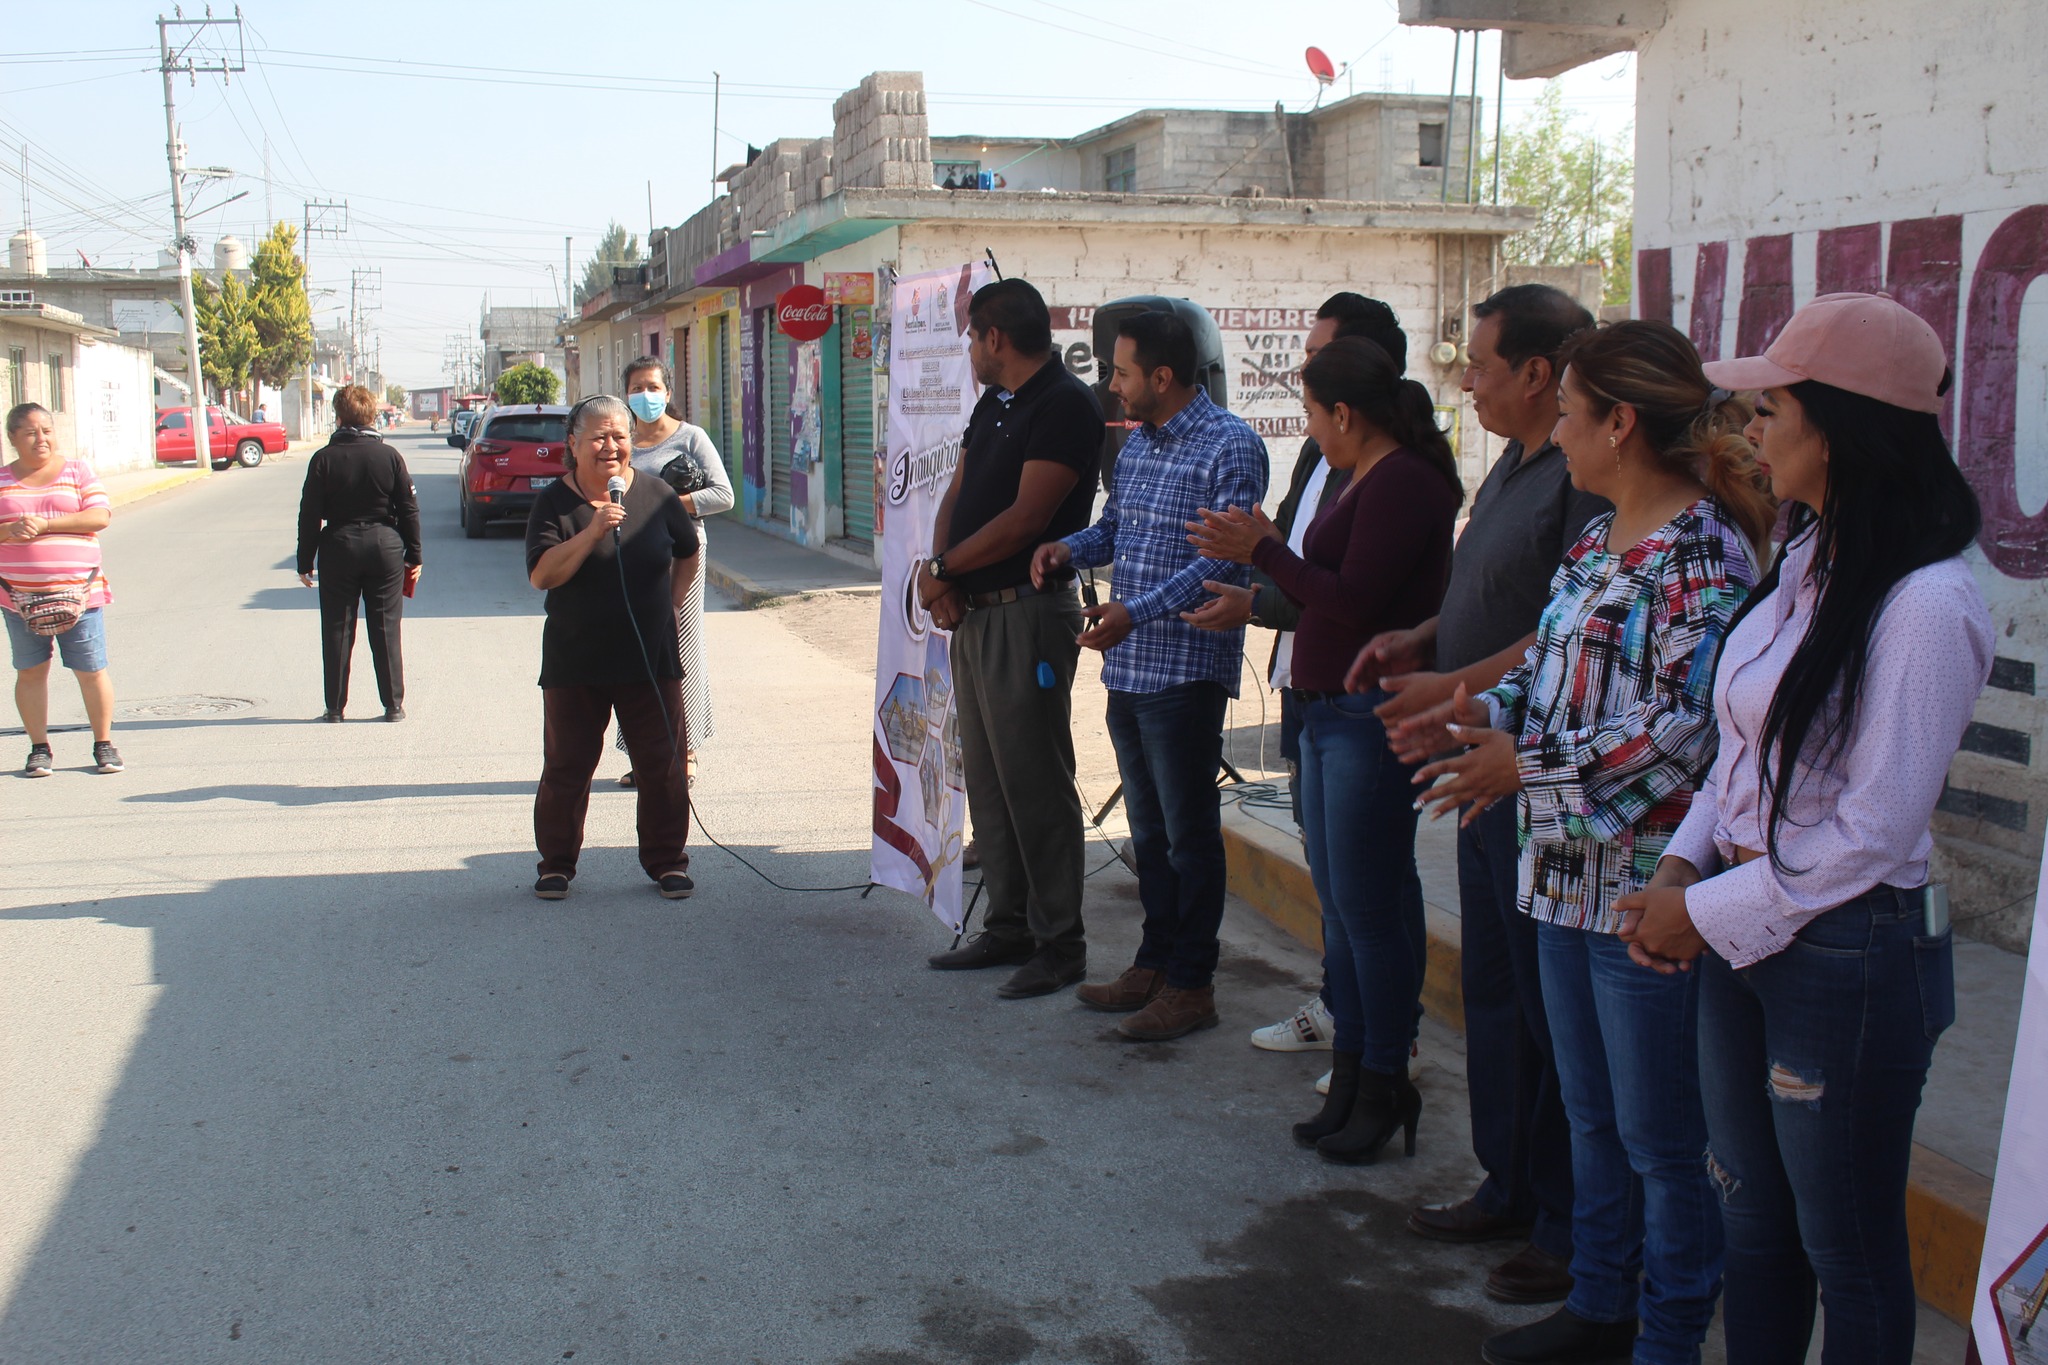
(228, 438)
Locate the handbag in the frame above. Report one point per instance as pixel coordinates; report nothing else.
(54, 611)
(686, 474)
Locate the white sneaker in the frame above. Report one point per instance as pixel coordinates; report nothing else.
(1414, 1069)
(1308, 1029)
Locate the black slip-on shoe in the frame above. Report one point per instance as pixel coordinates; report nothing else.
(677, 886)
(1042, 975)
(552, 887)
(984, 950)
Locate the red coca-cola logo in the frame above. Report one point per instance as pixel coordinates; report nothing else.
(802, 312)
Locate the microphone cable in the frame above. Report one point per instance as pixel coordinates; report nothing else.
(676, 752)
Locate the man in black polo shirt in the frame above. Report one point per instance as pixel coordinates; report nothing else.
(1026, 476)
(1524, 518)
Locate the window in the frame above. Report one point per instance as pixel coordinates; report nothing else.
(17, 375)
(956, 175)
(53, 364)
(174, 421)
(1120, 171)
(540, 428)
(1432, 140)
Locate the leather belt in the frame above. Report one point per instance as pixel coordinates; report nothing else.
(1002, 597)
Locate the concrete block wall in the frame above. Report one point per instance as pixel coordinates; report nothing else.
(1222, 153)
(816, 179)
(879, 134)
(766, 191)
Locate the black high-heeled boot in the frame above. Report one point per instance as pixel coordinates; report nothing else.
(1337, 1107)
(1385, 1105)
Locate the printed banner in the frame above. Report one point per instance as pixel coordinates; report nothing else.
(2012, 1280)
(920, 802)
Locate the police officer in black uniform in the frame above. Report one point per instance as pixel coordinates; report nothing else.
(360, 519)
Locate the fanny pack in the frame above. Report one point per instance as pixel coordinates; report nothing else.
(54, 611)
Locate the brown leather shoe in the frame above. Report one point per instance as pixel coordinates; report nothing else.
(1531, 1275)
(1175, 1013)
(1465, 1221)
(1135, 989)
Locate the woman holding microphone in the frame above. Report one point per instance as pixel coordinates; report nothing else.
(617, 555)
(1797, 887)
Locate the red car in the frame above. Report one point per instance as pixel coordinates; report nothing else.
(228, 438)
(512, 454)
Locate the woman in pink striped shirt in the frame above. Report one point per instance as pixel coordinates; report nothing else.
(1798, 881)
(51, 513)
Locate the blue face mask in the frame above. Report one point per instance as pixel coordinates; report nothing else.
(647, 405)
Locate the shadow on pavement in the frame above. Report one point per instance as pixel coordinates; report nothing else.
(278, 794)
(422, 1116)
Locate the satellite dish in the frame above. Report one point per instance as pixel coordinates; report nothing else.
(1320, 66)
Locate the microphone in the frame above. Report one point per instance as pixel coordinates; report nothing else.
(616, 486)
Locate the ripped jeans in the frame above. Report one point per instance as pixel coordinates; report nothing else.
(1812, 1062)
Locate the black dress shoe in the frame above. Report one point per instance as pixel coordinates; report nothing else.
(1563, 1338)
(1042, 975)
(332, 717)
(1465, 1221)
(984, 950)
(394, 713)
(1531, 1275)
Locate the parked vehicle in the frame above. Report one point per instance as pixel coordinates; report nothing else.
(229, 438)
(512, 454)
(459, 423)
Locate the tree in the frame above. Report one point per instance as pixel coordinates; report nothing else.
(279, 308)
(1582, 188)
(394, 394)
(527, 382)
(228, 342)
(616, 247)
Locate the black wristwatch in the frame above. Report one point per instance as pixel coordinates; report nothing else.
(937, 565)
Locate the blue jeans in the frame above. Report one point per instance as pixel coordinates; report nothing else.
(1627, 1042)
(83, 647)
(1812, 1062)
(1169, 746)
(1358, 811)
(1519, 1133)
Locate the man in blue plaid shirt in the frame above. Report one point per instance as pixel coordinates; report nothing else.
(1168, 681)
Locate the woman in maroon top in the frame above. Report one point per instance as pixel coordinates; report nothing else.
(1374, 560)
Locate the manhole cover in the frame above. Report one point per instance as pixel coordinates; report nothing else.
(174, 707)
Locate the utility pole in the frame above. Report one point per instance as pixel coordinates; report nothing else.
(568, 288)
(365, 295)
(717, 82)
(320, 221)
(170, 63)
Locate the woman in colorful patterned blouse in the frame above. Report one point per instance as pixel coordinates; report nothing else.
(51, 513)
(1799, 879)
(1604, 731)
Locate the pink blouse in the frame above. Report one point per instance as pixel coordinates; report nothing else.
(53, 561)
(1862, 821)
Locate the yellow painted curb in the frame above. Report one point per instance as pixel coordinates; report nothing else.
(163, 482)
(1946, 1203)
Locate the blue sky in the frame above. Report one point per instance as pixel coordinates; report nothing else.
(461, 134)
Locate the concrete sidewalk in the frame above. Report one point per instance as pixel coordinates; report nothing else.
(125, 486)
(754, 567)
(1956, 1151)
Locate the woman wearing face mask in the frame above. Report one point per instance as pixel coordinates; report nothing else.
(1604, 732)
(668, 448)
(1796, 889)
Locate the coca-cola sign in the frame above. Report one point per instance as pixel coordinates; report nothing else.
(802, 313)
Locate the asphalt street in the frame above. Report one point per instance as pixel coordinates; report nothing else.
(293, 1067)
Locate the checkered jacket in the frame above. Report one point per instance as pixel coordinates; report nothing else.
(1612, 711)
(1202, 457)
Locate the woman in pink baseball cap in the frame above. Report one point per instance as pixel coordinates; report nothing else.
(1798, 881)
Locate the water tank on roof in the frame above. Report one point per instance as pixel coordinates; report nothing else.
(25, 254)
(230, 254)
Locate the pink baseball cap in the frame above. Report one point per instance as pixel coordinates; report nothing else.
(1865, 343)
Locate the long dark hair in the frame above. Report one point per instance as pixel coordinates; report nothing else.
(1895, 502)
(1361, 375)
(1685, 420)
(668, 380)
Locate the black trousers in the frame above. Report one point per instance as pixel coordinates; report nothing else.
(364, 564)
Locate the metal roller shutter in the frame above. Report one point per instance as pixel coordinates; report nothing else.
(778, 424)
(856, 436)
(723, 428)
